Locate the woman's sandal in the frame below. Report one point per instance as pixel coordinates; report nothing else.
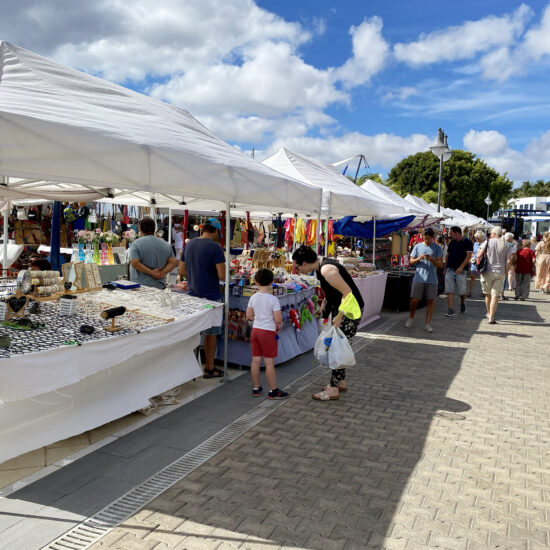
(214, 373)
(341, 388)
(324, 396)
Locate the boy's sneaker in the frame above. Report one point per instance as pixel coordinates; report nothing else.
(450, 313)
(277, 394)
(428, 328)
(256, 392)
(408, 323)
(462, 308)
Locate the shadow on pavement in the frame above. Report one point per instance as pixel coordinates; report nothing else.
(321, 475)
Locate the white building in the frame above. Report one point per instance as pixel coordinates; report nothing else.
(533, 223)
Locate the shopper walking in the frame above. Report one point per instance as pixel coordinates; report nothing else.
(457, 262)
(264, 310)
(542, 282)
(510, 282)
(499, 257)
(343, 302)
(427, 257)
(203, 263)
(525, 266)
(479, 237)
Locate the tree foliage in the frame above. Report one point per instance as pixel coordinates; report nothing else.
(466, 181)
(540, 188)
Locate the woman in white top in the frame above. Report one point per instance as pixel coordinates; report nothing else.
(499, 256)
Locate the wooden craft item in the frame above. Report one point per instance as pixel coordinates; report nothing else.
(16, 306)
(113, 313)
(93, 278)
(79, 276)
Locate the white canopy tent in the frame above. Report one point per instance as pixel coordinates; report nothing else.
(61, 125)
(382, 192)
(341, 197)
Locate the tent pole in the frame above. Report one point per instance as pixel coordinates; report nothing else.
(55, 236)
(5, 242)
(374, 242)
(326, 227)
(294, 237)
(318, 231)
(4, 180)
(226, 289)
(170, 226)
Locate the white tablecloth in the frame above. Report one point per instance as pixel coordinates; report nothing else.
(80, 388)
(32, 374)
(372, 290)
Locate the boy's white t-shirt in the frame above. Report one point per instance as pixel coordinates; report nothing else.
(264, 305)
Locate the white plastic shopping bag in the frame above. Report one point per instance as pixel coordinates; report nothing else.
(333, 350)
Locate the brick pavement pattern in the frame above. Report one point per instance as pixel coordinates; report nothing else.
(442, 441)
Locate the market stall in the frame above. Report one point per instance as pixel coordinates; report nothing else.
(63, 126)
(64, 374)
(297, 335)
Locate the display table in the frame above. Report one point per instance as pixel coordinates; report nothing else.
(372, 290)
(61, 391)
(291, 342)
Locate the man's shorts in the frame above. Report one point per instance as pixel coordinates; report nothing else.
(492, 283)
(215, 331)
(263, 343)
(455, 283)
(424, 290)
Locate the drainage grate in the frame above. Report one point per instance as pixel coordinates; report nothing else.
(92, 529)
(97, 526)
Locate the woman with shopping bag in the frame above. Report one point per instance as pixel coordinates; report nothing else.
(343, 303)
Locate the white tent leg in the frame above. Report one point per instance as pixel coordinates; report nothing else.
(318, 231)
(326, 228)
(294, 237)
(226, 288)
(170, 226)
(5, 243)
(374, 242)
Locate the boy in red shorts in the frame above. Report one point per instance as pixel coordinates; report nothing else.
(265, 312)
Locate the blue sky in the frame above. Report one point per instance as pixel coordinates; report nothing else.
(325, 79)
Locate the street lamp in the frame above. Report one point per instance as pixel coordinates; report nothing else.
(441, 150)
(488, 201)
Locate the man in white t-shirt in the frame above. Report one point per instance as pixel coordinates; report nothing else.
(265, 312)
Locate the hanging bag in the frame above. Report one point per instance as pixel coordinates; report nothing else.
(333, 350)
(481, 262)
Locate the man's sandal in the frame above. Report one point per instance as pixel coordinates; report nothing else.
(214, 373)
(324, 396)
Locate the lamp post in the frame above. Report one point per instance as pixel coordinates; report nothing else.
(441, 150)
(488, 201)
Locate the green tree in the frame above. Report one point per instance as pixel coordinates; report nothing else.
(466, 181)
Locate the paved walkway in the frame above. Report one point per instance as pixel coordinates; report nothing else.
(442, 441)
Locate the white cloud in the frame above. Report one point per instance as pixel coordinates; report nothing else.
(271, 81)
(530, 164)
(466, 40)
(370, 53)
(537, 39)
(485, 143)
(401, 93)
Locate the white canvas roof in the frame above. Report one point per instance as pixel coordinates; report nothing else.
(346, 198)
(58, 124)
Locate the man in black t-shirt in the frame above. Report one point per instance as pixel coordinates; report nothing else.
(457, 265)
